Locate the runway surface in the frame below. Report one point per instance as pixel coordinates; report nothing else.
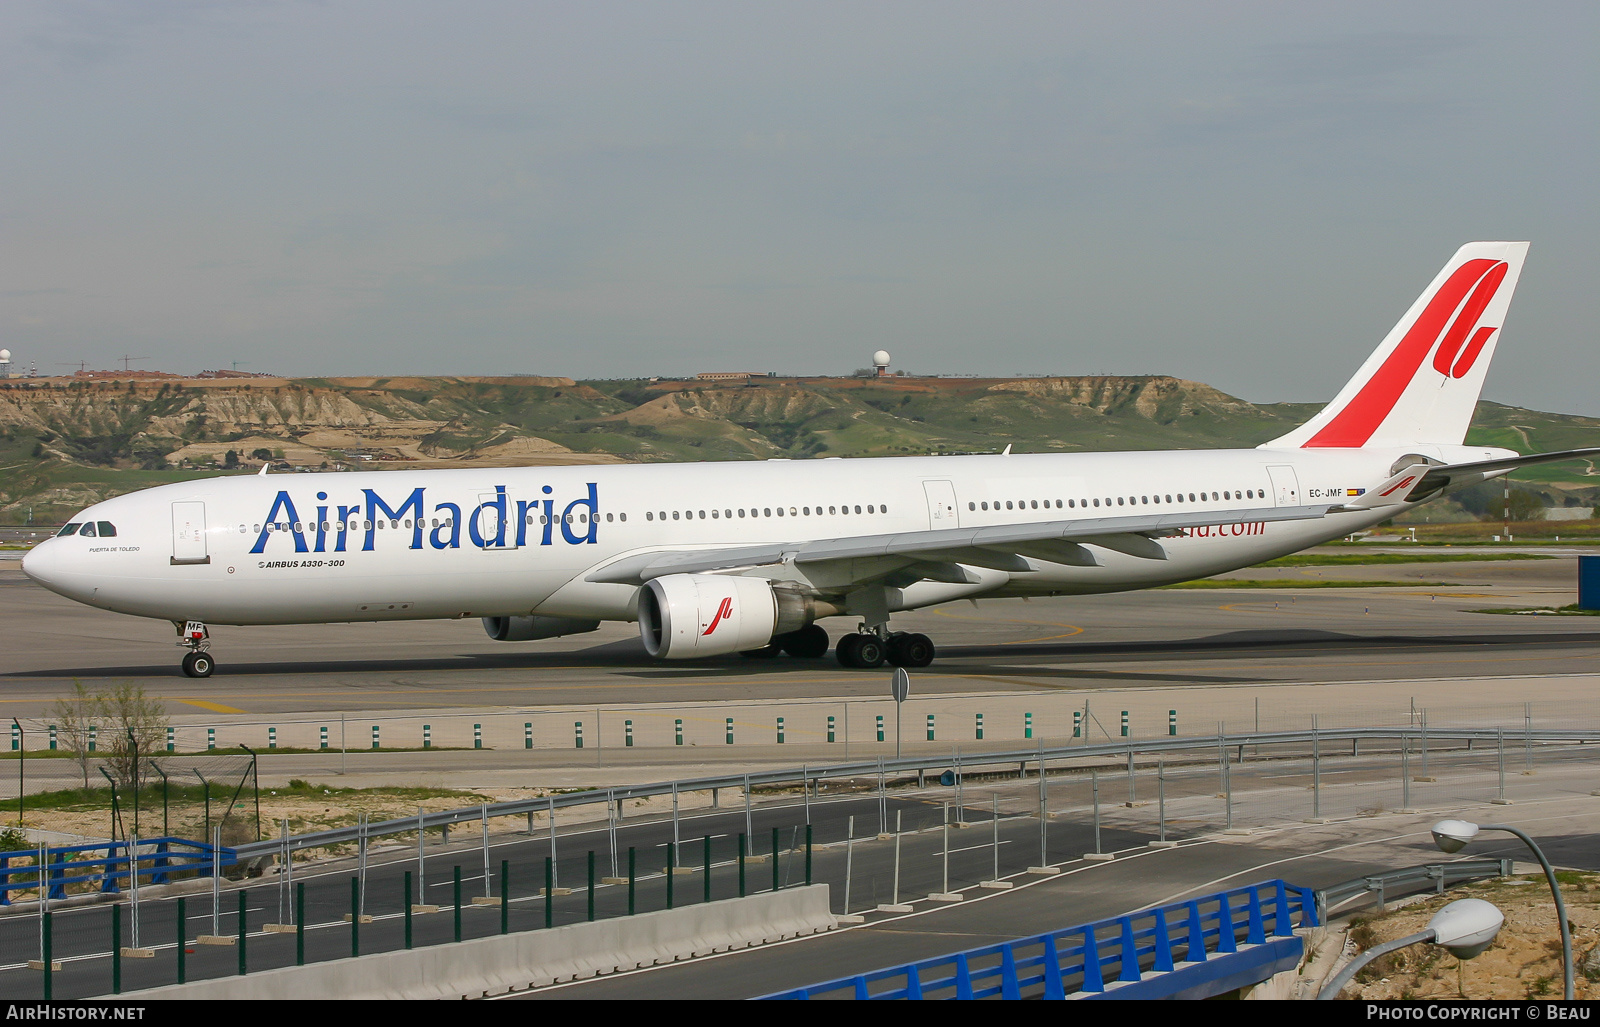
(1175, 637)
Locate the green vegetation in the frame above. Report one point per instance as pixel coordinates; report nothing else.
(1296, 583)
(1342, 559)
(1548, 611)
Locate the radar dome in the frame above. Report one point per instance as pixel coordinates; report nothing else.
(881, 358)
(5, 356)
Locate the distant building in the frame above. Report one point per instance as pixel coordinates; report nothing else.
(727, 376)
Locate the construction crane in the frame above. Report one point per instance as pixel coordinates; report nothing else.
(79, 364)
(127, 361)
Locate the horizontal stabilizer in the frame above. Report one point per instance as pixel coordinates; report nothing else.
(1418, 481)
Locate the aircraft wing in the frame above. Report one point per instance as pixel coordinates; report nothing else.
(1000, 546)
(1420, 480)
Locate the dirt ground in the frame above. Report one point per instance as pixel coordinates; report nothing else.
(1523, 963)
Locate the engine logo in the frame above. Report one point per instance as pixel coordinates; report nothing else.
(723, 613)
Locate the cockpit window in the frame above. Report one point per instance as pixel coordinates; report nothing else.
(87, 531)
(107, 529)
(70, 529)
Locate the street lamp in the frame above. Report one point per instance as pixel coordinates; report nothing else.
(1466, 927)
(1453, 836)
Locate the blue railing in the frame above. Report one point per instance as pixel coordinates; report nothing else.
(156, 861)
(1119, 951)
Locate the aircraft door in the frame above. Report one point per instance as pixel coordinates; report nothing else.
(493, 532)
(941, 504)
(189, 533)
(1285, 486)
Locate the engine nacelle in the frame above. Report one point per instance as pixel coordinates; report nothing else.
(526, 629)
(682, 616)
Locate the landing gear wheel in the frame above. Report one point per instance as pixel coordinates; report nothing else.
(198, 665)
(766, 652)
(863, 651)
(807, 643)
(910, 650)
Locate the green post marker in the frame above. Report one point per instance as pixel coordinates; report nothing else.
(741, 864)
(677, 731)
(211, 738)
(355, 917)
(672, 863)
(980, 727)
(549, 890)
(780, 730)
(244, 931)
(49, 958)
(527, 734)
(477, 736)
(1027, 725)
(880, 727)
(322, 737)
(374, 736)
(930, 727)
(1124, 723)
(729, 740)
(591, 886)
(633, 878)
(830, 729)
(1172, 722)
(53, 737)
(116, 950)
(775, 859)
(427, 736)
(93, 733)
(707, 897)
(456, 880)
(577, 731)
(808, 855)
(505, 896)
(1077, 723)
(406, 898)
(272, 737)
(172, 739)
(299, 923)
(627, 733)
(183, 941)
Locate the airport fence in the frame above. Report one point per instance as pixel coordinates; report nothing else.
(888, 836)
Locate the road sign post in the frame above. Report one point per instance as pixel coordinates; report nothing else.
(900, 688)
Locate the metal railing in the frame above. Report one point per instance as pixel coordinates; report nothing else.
(1093, 956)
(809, 776)
(154, 859)
(1408, 881)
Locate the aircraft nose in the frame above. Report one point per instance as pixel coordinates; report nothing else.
(46, 563)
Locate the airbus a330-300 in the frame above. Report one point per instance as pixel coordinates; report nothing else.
(718, 558)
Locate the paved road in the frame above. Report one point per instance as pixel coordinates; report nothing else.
(1268, 794)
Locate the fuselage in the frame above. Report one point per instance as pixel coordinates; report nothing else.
(394, 545)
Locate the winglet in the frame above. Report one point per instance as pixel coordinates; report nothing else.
(1007, 450)
(263, 469)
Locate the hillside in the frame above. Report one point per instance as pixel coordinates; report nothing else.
(67, 442)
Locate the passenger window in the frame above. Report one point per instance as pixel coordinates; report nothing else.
(87, 531)
(869, 508)
(649, 516)
(858, 509)
(256, 528)
(766, 511)
(622, 516)
(882, 509)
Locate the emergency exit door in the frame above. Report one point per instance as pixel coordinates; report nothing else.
(189, 533)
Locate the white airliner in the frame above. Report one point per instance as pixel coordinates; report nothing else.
(717, 558)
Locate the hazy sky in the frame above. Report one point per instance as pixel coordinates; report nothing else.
(1248, 194)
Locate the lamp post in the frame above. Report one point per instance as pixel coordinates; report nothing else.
(1453, 836)
(1466, 927)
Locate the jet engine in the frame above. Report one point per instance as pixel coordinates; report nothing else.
(526, 629)
(682, 616)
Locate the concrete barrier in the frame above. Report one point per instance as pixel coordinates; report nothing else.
(513, 962)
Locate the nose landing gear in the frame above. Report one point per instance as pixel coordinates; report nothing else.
(197, 662)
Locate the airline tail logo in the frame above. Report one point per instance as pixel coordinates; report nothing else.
(1447, 327)
(724, 612)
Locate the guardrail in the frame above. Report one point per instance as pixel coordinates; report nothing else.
(155, 860)
(808, 776)
(1106, 956)
(1408, 881)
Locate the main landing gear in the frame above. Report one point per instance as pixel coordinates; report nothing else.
(807, 643)
(197, 662)
(900, 648)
